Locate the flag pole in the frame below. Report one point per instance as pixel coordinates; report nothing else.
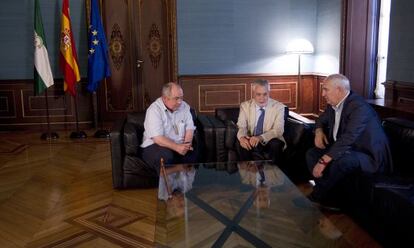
(48, 135)
(100, 133)
(77, 134)
(98, 68)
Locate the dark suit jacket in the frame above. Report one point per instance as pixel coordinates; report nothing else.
(359, 130)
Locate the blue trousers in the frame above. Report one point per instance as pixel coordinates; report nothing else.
(272, 150)
(153, 154)
(334, 172)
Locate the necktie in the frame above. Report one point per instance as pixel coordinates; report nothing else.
(259, 126)
(262, 177)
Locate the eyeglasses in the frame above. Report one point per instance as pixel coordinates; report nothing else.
(177, 98)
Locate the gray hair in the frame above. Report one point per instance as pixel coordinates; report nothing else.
(339, 80)
(261, 82)
(166, 88)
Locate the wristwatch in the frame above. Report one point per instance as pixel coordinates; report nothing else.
(322, 161)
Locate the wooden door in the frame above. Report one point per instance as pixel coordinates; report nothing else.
(141, 36)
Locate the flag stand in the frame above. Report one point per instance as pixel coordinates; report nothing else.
(100, 133)
(48, 135)
(77, 134)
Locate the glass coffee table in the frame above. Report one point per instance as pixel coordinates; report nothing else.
(237, 204)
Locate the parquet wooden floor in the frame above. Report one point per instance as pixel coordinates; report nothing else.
(59, 194)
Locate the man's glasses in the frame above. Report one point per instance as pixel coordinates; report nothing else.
(177, 98)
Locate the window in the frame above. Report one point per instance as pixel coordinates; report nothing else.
(384, 26)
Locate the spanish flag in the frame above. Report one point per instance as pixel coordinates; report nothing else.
(68, 58)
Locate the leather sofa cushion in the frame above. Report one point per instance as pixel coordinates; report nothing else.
(133, 138)
(207, 147)
(133, 133)
(226, 114)
(138, 174)
(231, 135)
(136, 118)
(219, 137)
(294, 130)
(135, 165)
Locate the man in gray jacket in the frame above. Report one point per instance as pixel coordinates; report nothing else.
(261, 125)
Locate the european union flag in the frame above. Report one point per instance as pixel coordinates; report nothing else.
(98, 63)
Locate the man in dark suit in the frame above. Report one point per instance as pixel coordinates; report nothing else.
(348, 138)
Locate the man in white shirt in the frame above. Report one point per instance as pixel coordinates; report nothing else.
(169, 129)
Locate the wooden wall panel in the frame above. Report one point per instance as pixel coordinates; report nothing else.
(307, 91)
(219, 96)
(399, 92)
(319, 101)
(285, 92)
(7, 104)
(35, 106)
(206, 93)
(20, 109)
(398, 102)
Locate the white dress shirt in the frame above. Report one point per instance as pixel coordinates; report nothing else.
(159, 121)
(338, 111)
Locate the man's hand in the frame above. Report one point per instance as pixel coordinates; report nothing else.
(318, 170)
(182, 149)
(321, 165)
(320, 139)
(245, 143)
(255, 140)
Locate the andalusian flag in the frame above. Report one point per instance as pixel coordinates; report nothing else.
(68, 58)
(43, 77)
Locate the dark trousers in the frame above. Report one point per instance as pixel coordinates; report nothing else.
(335, 171)
(153, 154)
(272, 150)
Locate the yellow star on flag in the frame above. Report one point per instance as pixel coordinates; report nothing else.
(94, 32)
(95, 42)
(92, 51)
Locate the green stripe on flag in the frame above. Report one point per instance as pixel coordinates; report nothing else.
(43, 77)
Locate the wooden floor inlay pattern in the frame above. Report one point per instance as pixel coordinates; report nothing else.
(106, 222)
(10, 147)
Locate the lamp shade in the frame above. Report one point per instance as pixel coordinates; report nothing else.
(299, 46)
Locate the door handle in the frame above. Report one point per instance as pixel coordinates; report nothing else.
(139, 62)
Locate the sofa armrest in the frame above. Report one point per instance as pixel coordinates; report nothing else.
(393, 182)
(219, 138)
(206, 134)
(117, 153)
(297, 132)
(132, 139)
(231, 135)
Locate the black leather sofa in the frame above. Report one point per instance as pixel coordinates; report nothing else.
(219, 134)
(384, 204)
(128, 168)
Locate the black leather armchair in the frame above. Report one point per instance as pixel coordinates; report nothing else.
(392, 195)
(384, 203)
(128, 168)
